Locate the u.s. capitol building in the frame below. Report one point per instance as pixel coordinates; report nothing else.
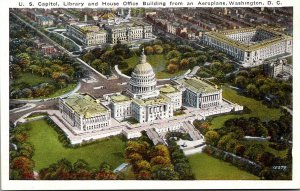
(145, 102)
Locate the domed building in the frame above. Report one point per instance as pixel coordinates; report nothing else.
(142, 83)
(143, 100)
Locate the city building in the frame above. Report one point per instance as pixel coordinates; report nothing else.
(48, 49)
(128, 30)
(278, 68)
(200, 94)
(83, 112)
(250, 46)
(44, 21)
(87, 34)
(111, 31)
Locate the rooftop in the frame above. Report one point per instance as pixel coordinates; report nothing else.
(222, 36)
(198, 86)
(86, 105)
(119, 98)
(87, 28)
(166, 89)
(152, 101)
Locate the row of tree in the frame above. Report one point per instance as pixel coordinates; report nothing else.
(150, 162)
(20, 154)
(231, 138)
(180, 161)
(258, 85)
(79, 170)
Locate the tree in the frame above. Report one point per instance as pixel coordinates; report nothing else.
(241, 81)
(253, 152)
(142, 165)
(172, 68)
(230, 146)
(61, 170)
(96, 63)
(212, 137)
(184, 48)
(266, 159)
(80, 164)
(239, 149)
(160, 160)
(223, 141)
(134, 157)
(160, 150)
(144, 175)
(158, 49)
(264, 89)
(122, 50)
(173, 54)
(254, 72)
(252, 90)
(243, 73)
(88, 57)
(23, 60)
(184, 171)
(97, 52)
(184, 63)
(55, 75)
(104, 68)
(21, 168)
(15, 71)
(220, 75)
(149, 50)
(201, 59)
(163, 173)
(215, 66)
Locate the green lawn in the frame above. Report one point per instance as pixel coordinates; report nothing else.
(62, 91)
(208, 168)
(158, 62)
(48, 149)
(258, 109)
(30, 79)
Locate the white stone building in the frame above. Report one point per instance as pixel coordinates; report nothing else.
(84, 113)
(278, 68)
(88, 35)
(129, 31)
(250, 46)
(143, 100)
(111, 31)
(199, 93)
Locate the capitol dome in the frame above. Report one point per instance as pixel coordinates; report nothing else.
(143, 68)
(143, 82)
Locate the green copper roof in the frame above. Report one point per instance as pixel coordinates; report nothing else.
(198, 86)
(85, 105)
(152, 101)
(119, 98)
(166, 89)
(222, 36)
